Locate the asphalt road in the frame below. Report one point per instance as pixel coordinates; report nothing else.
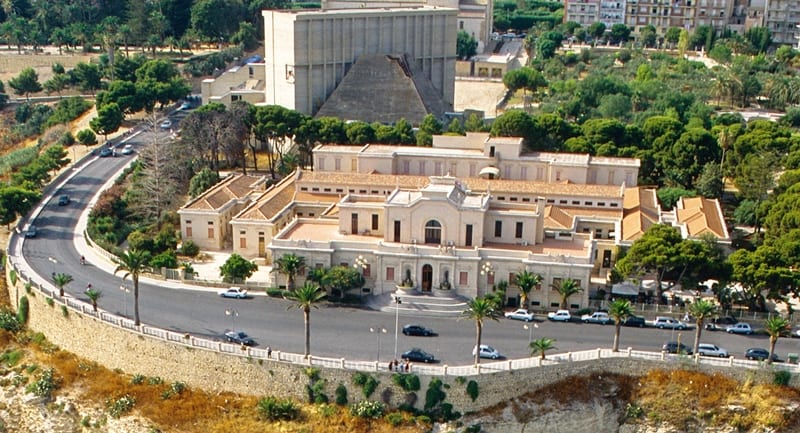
(336, 331)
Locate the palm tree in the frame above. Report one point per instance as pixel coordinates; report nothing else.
(541, 346)
(93, 296)
(61, 280)
(566, 289)
(619, 310)
(305, 297)
(701, 310)
(290, 265)
(526, 282)
(775, 326)
(133, 262)
(480, 309)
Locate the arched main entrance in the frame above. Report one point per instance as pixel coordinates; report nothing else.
(427, 278)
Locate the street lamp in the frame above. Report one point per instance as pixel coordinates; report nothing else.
(361, 264)
(125, 292)
(530, 331)
(233, 314)
(486, 268)
(397, 303)
(378, 330)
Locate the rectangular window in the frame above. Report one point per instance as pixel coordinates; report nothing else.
(463, 278)
(367, 270)
(389, 274)
(523, 173)
(374, 221)
(211, 232)
(491, 151)
(406, 167)
(498, 229)
(353, 164)
(337, 164)
(490, 279)
(422, 167)
(512, 278)
(396, 231)
(518, 231)
(472, 169)
(556, 283)
(321, 163)
(243, 243)
(468, 236)
(188, 232)
(437, 169)
(354, 223)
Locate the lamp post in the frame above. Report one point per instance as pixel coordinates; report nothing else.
(125, 292)
(530, 331)
(378, 330)
(361, 265)
(397, 302)
(233, 315)
(488, 270)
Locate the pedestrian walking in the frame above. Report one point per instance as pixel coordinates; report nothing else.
(407, 367)
(269, 352)
(88, 287)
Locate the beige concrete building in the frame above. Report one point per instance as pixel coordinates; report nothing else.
(240, 83)
(307, 53)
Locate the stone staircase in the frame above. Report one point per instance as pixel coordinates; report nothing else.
(420, 305)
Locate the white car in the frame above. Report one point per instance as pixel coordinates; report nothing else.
(488, 352)
(739, 328)
(165, 124)
(597, 317)
(233, 292)
(520, 314)
(705, 349)
(559, 316)
(669, 323)
(127, 150)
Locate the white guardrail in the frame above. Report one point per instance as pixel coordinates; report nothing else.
(189, 340)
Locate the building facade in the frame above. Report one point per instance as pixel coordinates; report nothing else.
(307, 53)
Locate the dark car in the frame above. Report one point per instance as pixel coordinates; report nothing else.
(417, 330)
(239, 337)
(637, 321)
(63, 200)
(105, 152)
(675, 347)
(418, 355)
(31, 231)
(759, 354)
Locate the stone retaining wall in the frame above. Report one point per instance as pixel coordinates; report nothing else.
(116, 348)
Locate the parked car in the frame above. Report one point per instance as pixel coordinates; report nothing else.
(675, 347)
(31, 231)
(520, 314)
(418, 355)
(669, 323)
(559, 316)
(127, 150)
(637, 321)
(239, 337)
(106, 152)
(185, 106)
(796, 333)
(725, 320)
(706, 349)
(599, 317)
(418, 330)
(165, 124)
(63, 200)
(759, 354)
(487, 352)
(233, 292)
(739, 328)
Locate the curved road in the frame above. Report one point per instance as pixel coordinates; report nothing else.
(336, 331)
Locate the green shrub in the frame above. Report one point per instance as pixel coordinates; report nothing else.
(367, 409)
(29, 288)
(11, 357)
(395, 418)
(155, 380)
(22, 312)
(472, 390)
(360, 378)
(341, 395)
(424, 419)
(68, 109)
(276, 409)
(633, 410)
(461, 380)
(782, 378)
(409, 382)
(167, 259)
(327, 410)
(45, 386)
(177, 387)
(276, 293)
(583, 311)
(9, 321)
(64, 311)
(189, 248)
(474, 428)
(312, 373)
(370, 386)
(137, 379)
(117, 408)
(86, 421)
(50, 302)
(434, 396)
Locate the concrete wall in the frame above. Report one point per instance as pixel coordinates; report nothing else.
(116, 348)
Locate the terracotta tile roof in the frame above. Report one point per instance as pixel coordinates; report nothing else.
(231, 188)
(269, 203)
(701, 215)
(361, 179)
(563, 217)
(640, 211)
(542, 188)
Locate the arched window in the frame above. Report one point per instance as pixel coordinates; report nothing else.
(433, 232)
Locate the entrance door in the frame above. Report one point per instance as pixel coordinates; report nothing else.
(427, 278)
(262, 246)
(353, 224)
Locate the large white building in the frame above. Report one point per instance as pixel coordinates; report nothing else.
(451, 228)
(308, 53)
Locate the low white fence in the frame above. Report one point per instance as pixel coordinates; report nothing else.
(189, 340)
